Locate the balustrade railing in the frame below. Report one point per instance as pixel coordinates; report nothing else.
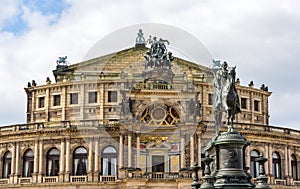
(4, 181)
(108, 178)
(155, 175)
(50, 179)
(280, 182)
(296, 183)
(78, 178)
(60, 124)
(25, 180)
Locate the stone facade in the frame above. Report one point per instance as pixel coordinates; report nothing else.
(102, 125)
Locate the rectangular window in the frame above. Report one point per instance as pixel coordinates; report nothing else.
(92, 97)
(56, 100)
(112, 96)
(210, 99)
(244, 103)
(256, 105)
(74, 98)
(41, 102)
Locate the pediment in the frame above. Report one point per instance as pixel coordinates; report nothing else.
(128, 61)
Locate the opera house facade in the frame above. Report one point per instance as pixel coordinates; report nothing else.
(124, 120)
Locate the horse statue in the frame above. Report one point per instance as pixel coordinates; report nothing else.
(62, 60)
(231, 97)
(225, 97)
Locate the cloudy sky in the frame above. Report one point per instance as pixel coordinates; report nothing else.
(260, 37)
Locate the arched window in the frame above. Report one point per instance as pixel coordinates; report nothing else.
(276, 163)
(254, 166)
(80, 161)
(294, 167)
(6, 165)
(109, 161)
(28, 159)
(52, 162)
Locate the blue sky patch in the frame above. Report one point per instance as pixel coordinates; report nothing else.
(47, 7)
(17, 25)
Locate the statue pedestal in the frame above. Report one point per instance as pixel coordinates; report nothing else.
(230, 171)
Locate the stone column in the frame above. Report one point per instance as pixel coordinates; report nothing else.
(90, 161)
(47, 104)
(33, 107)
(64, 103)
(67, 173)
(266, 154)
(287, 166)
(270, 158)
(62, 160)
(17, 163)
(129, 150)
(96, 167)
(36, 161)
(101, 101)
(121, 151)
(41, 150)
(13, 160)
(81, 101)
(192, 153)
(182, 155)
(199, 159)
(138, 151)
(247, 156)
(251, 102)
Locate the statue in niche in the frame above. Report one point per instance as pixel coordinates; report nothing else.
(126, 105)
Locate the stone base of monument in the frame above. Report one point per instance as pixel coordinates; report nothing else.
(230, 169)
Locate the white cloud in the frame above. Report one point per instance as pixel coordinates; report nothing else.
(8, 9)
(260, 37)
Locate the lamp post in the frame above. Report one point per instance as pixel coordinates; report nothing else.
(196, 184)
(207, 179)
(262, 179)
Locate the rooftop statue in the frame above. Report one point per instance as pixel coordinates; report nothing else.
(140, 40)
(61, 61)
(158, 55)
(225, 94)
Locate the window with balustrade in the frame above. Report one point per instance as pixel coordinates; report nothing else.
(109, 161)
(52, 162)
(276, 165)
(254, 166)
(28, 162)
(294, 167)
(6, 165)
(80, 161)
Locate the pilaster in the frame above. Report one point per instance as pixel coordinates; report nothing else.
(67, 173)
(62, 161)
(96, 160)
(129, 150)
(138, 151)
(90, 161)
(182, 155)
(192, 153)
(36, 161)
(41, 150)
